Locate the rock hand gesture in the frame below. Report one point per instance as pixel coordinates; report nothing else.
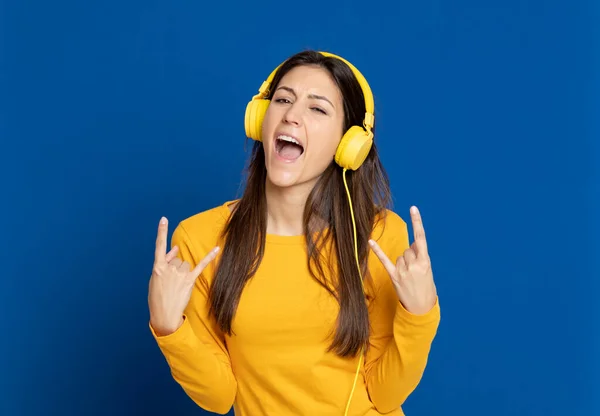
(411, 274)
(171, 284)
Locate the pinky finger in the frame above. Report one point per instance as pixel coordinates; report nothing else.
(204, 262)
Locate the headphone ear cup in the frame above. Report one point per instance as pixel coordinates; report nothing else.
(353, 148)
(255, 114)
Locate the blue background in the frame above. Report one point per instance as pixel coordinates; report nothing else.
(116, 113)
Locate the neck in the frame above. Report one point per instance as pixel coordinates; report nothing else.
(285, 208)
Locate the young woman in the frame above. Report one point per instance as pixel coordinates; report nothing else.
(273, 303)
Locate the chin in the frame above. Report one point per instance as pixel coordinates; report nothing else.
(283, 179)
(283, 173)
(291, 180)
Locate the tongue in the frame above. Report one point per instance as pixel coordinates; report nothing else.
(290, 151)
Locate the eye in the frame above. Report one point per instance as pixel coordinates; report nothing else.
(320, 110)
(282, 100)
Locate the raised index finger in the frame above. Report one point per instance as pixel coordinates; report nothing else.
(161, 241)
(419, 231)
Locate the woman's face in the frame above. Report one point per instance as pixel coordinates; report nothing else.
(302, 127)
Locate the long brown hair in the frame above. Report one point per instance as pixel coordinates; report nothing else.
(245, 232)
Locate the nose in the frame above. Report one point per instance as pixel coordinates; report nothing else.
(292, 115)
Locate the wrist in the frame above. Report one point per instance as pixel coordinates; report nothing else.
(163, 329)
(419, 310)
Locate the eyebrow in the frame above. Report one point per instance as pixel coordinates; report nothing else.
(314, 96)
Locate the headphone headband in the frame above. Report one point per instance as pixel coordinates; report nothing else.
(369, 118)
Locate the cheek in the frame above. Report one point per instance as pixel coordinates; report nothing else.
(325, 147)
(267, 127)
(327, 140)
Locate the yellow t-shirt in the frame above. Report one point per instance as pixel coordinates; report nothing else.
(277, 363)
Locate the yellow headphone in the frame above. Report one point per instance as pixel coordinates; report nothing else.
(356, 142)
(350, 154)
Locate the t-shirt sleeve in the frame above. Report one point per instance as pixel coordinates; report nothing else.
(196, 351)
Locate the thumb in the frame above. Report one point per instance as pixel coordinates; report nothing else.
(387, 263)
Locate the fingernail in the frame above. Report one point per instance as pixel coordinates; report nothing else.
(371, 242)
(163, 220)
(413, 209)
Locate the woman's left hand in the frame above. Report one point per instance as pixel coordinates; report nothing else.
(412, 275)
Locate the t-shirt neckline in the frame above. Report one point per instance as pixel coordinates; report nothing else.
(270, 238)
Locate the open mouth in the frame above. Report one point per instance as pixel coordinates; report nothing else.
(288, 147)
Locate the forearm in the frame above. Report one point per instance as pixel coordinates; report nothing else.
(202, 371)
(398, 371)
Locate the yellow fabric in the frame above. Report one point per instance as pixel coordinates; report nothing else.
(277, 363)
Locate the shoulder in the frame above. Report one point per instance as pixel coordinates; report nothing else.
(202, 231)
(207, 220)
(390, 229)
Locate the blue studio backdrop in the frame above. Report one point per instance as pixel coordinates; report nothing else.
(116, 113)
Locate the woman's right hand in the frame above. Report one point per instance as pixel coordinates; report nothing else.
(171, 284)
